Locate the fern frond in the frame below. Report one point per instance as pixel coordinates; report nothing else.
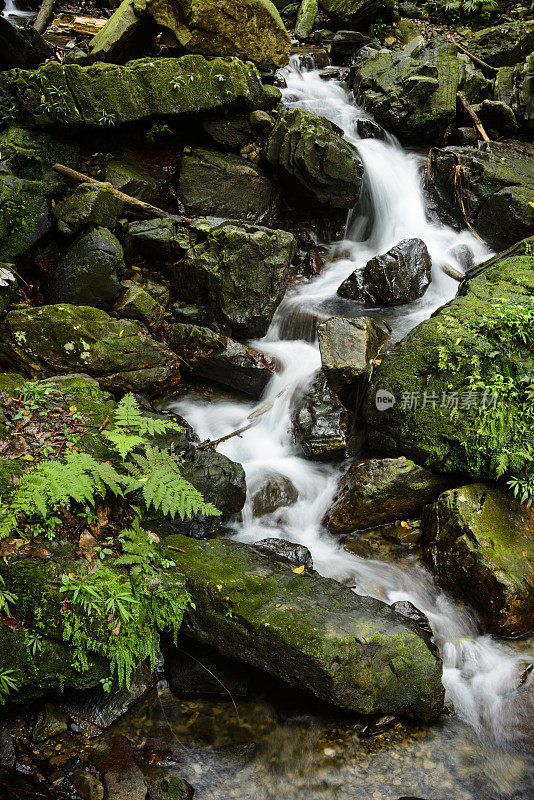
(128, 416)
(124, 443)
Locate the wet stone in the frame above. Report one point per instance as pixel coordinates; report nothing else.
(286, 551)
(196, 670)
(171, 788)
(51, 721)
(380, 725)
(122, 777)
(277, 491)
(7, 750)
(88, 785)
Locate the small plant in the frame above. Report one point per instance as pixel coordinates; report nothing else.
(35, 643)
(8, 683)
(6, 597)
(107, 118)
(157, 131)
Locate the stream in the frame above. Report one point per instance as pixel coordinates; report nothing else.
(489, 733)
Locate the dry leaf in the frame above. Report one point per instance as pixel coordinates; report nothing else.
(298, 570)
(405, 525)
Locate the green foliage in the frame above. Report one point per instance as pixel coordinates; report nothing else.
(470, 7)
(8, 683)
(5, 597)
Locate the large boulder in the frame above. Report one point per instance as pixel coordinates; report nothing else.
(239, 273)
(55, 339)
(348, 347)
(311, 154)
(89, 205)
(513, 86)
(380, 491)
(217, 358)
(454, 395)
(479, 544)
(156, 240)
(88, 273)
(359, 12)
(307, 630)
(101, 94)
(225, 185)
(503, 45)
(415, 98)
(124, 34)
(497, 188)
(320, 422)
(249, 29)
(401, 275)
(22, 47)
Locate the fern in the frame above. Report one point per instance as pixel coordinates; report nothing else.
(128, 416)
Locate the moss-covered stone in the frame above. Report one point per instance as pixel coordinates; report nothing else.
(24, 215)
(438, 358)
(64, 338)
(478, 542)
(123, 35)
(504, 45)
(89, 205)
(306, 17)
(30, 154)
(308, 630)
(239, 274)
(248, 29)
(154, 240)
(311, 154)
(104, 93)
(359, 12)
(135, 303)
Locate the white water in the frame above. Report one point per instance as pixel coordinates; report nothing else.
(12, 12)
(480, 674)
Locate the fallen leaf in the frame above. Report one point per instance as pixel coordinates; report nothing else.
(87, 544)
(405, 525)
(457, 342)
(10, 622)
(298, 570)
(40, 552)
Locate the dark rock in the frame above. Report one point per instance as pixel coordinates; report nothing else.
(503, 45)
(295, 554)
(410, 10)
(25, 217)
(60, 339)
(312, 156)
(88, 785)
(194, 669)
(275, 492)
(239, 273)
(88, 273)
(50, 722)
(497, 118)
(368, 129)
(497, 188)
(136, 303)
(380, 725)
(170, 788)
(8, 287)
(122, 777)
(126, 33)
(218, 358)
(88, 205)
(231, 133)
(8, 755)
(408, 609)
(134, 178)
(320, 422)
(476, 86)
(225, 185)
(307, 630)
(154, 240)
(375, 492)
(358, 12)
(21, 47)
(401, 275)
(348, 346)
(479, 545)
(347, 45)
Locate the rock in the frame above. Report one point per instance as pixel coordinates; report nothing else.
(476, 86)
(479, 545)
(88, 273)
(225, 185)
(40, 342)
(503, 45)
(122, 777)
(136, 303)
(230, 133)
(149, 87)
(87, 785)
(320, 422)
(25, 215)
(154, 240)
(194, 669)
(239, 274)
(347, 44)
(248, 29)
(497, 118)
(380, 725)
(130, 177)
(401, 275)
(170, 788)
(51, 721)
(8, 755)
(216, 357)
(8, 287)
(358, 12)
(88, 205)
(21, 47)
(310, 154)
(415, 98)
(437, 358)
(408, 609)
(125, 33)
(307, 630)
(348, 346)
(410, 10)
(292, 553)
(308, 10)
(378, 491)
(275, 492)
(498, 188)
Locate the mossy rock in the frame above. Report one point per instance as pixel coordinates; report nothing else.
(25, 215)
(87, 206)
(479, 545)
(307, 630)
(503, 45)
(41, 342)
(104, 93)
(359, 12)
(437, 358)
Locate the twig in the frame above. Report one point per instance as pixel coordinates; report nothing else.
(177, 549)
(472, 116)
(209, 443)
(452, 272)
(103, 425)
(126, 198)
(45, 12)
(474, 58)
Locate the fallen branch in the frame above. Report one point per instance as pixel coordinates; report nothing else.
(209, 444)
(127, 199)
(74, 23)
(474, 58)
(452, 272)
(45, 12)
(472, 116)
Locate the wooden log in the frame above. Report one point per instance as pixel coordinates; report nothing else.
(452, 272)
(74, 23)
(45, 12)
(472, 116)
(474, 58)
(127, 199)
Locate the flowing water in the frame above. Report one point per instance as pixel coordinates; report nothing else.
(12, 12)
(481, 674)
